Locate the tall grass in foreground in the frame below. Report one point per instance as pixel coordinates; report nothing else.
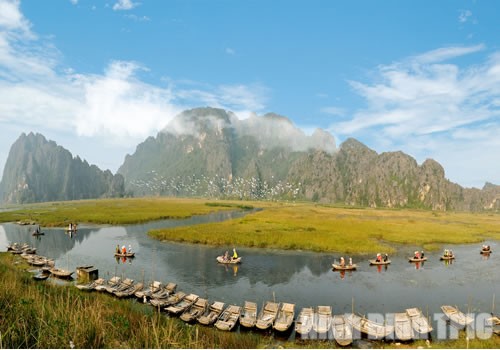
(41, 315)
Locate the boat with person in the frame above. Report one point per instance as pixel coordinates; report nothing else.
(342, 330)
(267, 315)
(182, 305)
(285, 317)
(486, 249)
(212, 313)
(249, 316)
(322, 321)
(345, 267)
(125, 255)
(304, 322)
(456, 316)
(419, 322)
(192, 313)
(417, 259)
(222, 260)
(228, 319)
(403, 329)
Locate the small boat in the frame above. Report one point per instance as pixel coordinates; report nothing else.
(125, 255)
(419, 322)
(375, 262)
(249, 316)
(113, 282)
(494, 323)
(402, 326)
(35, 233)
(154, 287)
(322, 321)
(41, 276)
(182, 305)
(456, 316)
(345, 267)
(60, 273)
(212, 313)
(371, 328)
(221, 260)
(195, 311)
(168, 299)
(342, 330)
(486, 251)
(123, 285)
(305, 320)
(91, 285)
(229, 317)
(128, 292)
(417, 259)
(450, 257)
(267, 315)
(285, 317)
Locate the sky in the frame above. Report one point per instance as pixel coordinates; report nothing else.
(99, 77)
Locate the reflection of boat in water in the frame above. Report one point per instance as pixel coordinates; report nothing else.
(342, 330)
(419, 322)
(221, 260)
(456, 316)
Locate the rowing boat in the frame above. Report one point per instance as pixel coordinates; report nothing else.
(249, 317)
(456, 316)
(182, 305)
(61, 273)
(168, 300)
(419, 322)
(91, 285)
(195, 311)
(267, 315)
(345, 267)
(417, 259)
(285, 317)
(375, 262)
(128, 292)
(342, 330)
(372, 329)
(304, 322)
(228, 319)
(402, 326)
(212, 313)
(322, 321)
(221, 260)
(125, 255)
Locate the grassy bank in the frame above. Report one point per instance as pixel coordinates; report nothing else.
(40, 315)
(114, 211)
(321, 228)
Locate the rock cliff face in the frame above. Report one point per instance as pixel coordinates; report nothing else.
(209, 152)
(38, 170)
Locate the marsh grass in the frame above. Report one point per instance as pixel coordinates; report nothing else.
(114, 211)
(321, 228)
(41, 315)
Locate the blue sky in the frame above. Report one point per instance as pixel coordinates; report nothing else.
(99, 77)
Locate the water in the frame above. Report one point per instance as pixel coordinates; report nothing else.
(303, 278)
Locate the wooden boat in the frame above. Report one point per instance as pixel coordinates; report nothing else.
(373, 329)
(60, 273)
(375, 262)
(40, 261)
(114, 281)
(417, 260)
(41, 276)
(322, 320)
(221, 260)
(249, 316)
(126, 255)
(447, 257)
(154, 287)
(229, 317)
(305, 320)
(212, 313)
(342, 330)
(267, 315)
(168, 300)
(91, 285)
(35, 233)
(345, 267)
(125, 293)
(419, 322)
(402, 326)
(456, 316)
(486, 251)
(285, 317)
(494, 323)
(123, 285)
(165, 292)
(195, 311)
(182, 305)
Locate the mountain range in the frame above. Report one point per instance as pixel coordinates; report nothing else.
(209, 152)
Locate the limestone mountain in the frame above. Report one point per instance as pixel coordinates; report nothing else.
(38, 170)
(210, 152)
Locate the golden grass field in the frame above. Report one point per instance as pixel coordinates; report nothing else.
(281, 225)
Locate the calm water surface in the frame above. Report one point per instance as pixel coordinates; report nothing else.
(303, 278)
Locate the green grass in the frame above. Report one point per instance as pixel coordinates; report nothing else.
(113, 211)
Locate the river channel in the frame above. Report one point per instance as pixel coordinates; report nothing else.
(471, 282)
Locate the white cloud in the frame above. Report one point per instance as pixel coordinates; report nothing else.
(74, 2)
(425, 104)
(464, 16)
(124, 5)
(230, 51)
(138, 18)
